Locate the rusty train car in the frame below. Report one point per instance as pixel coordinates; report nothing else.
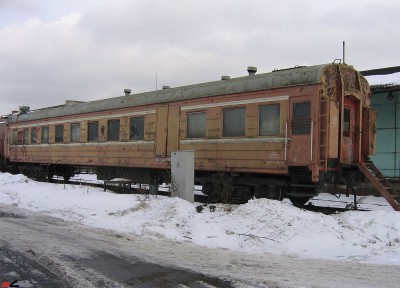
(2, 143)
(278, 134)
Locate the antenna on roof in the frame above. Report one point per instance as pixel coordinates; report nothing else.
(344, 52)
(156, 81)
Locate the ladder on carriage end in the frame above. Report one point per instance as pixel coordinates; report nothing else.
(381, 184)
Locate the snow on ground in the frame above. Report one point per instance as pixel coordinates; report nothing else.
(260, 226)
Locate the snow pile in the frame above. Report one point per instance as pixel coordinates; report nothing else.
(260, 226)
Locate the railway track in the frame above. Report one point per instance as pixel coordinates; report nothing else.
(327, 210)
(199, 197)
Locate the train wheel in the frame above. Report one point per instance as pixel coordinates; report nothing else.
(219, 189)
(299, 200)
(271, 192)
(50, 177)
(275, 193)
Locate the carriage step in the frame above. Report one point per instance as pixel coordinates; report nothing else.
(381, 184)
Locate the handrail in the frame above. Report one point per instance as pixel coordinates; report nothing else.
(286, 140)
(311, 141)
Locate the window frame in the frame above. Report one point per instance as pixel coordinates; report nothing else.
(89, 126)
(236, 123)
(142, 128)
(73, 127)
(277, 130)
(58, 138)
(34, 140)
(15, 137)
(46, 139)
(301, 125)
(26, 136)
(111, 134)
(204, 128)
(346, 130)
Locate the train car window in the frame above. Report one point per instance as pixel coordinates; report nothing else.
(301, 120)
(346, 122)
(113, 130)
(26, 136)
(136, 128)
(196, 124)
(269, 120)
(93, 131)
(15, 137)
(33, 135)
(234, 122)
(45, 134)
(59, 133)
(75, 132)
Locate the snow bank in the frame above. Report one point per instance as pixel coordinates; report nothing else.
(260, 226)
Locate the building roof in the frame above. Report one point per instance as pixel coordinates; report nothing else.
(380, 88)
(276, 79)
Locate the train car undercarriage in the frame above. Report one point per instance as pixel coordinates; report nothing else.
(218, 186)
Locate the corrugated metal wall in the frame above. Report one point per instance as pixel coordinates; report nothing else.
(387, 157)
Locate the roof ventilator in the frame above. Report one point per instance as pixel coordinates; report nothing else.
(127, 92)
(252, 70)
(225, 77)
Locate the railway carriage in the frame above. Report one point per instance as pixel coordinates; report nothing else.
(266, 135)
(2, 143)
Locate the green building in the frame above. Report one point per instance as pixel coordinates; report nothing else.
(385, 100)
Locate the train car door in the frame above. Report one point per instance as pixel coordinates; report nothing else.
(350, 145)
(300, 128)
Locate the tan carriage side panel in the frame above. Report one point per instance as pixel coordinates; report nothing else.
(264, 154)
(256, 154)
(162, 131)
(214, 122)
(150, 124)
(259, 156)
(52, 134)
(103, 130)
(67, 132)
(251, 120)
(20, 136)
(83, 136)
(124, 129)
(139, 154)
(173, 128)
(182, 126)
(39, 134)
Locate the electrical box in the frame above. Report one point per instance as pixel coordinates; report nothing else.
(182, 172)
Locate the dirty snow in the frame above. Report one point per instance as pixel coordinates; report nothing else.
(260, 226)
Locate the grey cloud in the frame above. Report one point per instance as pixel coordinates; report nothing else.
(92, 50)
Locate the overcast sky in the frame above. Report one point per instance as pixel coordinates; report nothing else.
(54, 50)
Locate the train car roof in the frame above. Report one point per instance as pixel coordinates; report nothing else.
(276, 79)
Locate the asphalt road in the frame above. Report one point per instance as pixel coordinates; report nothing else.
(40, 251)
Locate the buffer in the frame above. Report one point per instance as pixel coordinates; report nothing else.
(381, 184)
